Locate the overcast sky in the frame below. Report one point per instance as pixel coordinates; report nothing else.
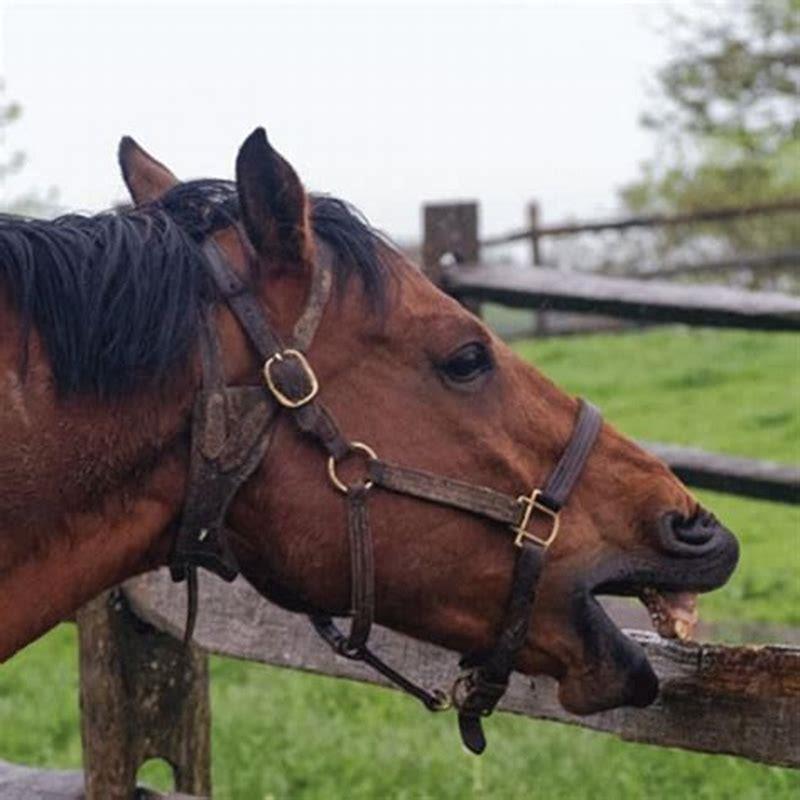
(386, 105)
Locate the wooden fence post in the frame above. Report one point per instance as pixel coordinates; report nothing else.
(533, 224)
(142, 695)
(450, 228)
(534, 218)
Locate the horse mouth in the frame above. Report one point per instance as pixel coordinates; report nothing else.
(609, 669)
(668, 582)
(671, 602)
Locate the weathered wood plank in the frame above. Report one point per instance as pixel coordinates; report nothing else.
(29, 783)
(649, 301)
(647, 221)
(766, 480)
(761, 262)
(744, 701)
(448, 229)
(143, 695)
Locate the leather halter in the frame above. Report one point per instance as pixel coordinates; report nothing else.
(231, 428)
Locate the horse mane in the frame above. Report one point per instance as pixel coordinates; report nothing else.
(117, 297)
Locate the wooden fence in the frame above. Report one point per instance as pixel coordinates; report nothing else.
(645, 301)
(145, 696)
(755, 267)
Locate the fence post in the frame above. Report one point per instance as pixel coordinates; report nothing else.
(450, 228)
(533, 224)
(142, 695)
(534, 217)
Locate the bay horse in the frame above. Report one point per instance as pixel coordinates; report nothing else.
(102, 322)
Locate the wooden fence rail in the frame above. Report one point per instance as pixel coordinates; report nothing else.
(757, 263)
(29, 783)
(646, 221)
(648, 301)
(765, 480)
(743, 701)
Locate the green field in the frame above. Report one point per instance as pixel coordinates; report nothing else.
(284, 735)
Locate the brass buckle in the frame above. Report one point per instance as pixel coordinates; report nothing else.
(284, 400)
(531, 503)
(332, 474)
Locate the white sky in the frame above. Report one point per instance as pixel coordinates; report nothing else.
(384, 105)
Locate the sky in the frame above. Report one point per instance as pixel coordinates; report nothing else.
(386, 105)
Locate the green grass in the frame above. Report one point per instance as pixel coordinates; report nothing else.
(281, 734)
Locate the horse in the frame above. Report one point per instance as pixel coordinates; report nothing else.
(106, 324)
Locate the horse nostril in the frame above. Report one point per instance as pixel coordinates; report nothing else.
(692, 536)
(696, 530)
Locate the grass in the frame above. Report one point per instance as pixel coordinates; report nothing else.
(280, 734)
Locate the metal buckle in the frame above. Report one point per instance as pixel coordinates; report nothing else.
(441, 701)
(284, 400)
(531, 503)
(332, 474)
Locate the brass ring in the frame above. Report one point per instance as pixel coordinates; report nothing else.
(442, 701)
(336, 481)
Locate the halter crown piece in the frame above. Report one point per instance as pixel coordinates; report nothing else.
(231, 428)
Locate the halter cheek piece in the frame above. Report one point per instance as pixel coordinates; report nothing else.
(231, 429)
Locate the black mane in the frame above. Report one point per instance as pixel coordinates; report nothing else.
(116, 298)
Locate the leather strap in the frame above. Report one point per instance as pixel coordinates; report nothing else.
(445, 491)
(487, 502)
(435, 700)
(242, 302)
(230, 434)
(321, 280)
(568, 470)
(312, 418)
(362, 568)
(478, 691)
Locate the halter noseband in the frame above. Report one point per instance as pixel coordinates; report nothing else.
(231, 429)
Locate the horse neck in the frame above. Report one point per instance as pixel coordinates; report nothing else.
(88, 492)
(91, 552)
(87, 498)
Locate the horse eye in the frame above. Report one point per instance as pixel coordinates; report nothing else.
(467, 363)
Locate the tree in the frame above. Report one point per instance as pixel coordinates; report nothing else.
(31, 203)
(727, 123)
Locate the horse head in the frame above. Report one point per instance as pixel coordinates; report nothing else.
(423, 383)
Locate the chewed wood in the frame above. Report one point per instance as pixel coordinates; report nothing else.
(744, 701)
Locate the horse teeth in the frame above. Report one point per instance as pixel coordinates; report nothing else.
(682, 629)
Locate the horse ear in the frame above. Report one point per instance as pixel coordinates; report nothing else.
(147, 179)
(274, 205)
